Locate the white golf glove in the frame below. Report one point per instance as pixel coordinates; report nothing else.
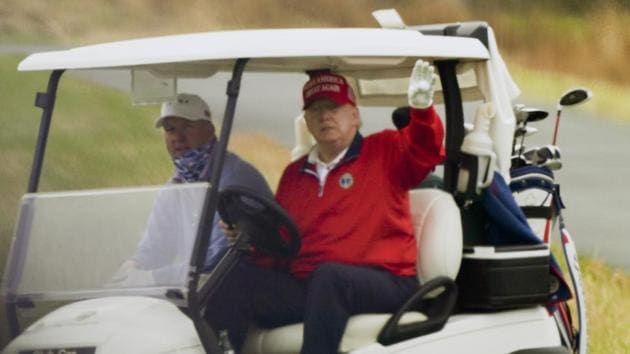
(421, 85)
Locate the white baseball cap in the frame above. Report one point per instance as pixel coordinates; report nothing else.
(187, 106)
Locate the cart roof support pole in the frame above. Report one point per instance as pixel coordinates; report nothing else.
(198, 297)
(46, 101)
(454, 121)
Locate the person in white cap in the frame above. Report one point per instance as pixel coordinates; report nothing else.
(189, 136)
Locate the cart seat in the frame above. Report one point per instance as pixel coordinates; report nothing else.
(437, 227)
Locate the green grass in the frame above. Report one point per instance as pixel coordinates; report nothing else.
(89, 146)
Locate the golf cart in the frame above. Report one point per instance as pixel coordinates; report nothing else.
(72, 248)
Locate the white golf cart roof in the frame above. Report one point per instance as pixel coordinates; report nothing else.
(200, 54)
(377, 62)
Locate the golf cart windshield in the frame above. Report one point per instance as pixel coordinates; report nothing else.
(82, 244)
(73, 245)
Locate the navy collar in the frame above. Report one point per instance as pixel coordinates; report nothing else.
(353, 152)
(355, 148)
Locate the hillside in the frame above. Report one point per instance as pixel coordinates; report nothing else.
(584, 38)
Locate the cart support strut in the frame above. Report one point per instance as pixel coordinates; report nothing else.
(198, 297)
(46, 101)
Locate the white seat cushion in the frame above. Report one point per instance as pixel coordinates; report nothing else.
(438, 229)
(361, 330)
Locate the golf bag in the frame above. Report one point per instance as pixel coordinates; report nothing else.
(536, 192)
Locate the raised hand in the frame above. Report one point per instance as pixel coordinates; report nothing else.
(421, 85)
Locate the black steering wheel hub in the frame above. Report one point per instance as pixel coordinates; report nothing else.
(261, 221)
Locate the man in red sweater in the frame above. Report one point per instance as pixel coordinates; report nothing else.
(349, 199)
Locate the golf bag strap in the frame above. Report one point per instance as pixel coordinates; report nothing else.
(537, 212)
(557, 200)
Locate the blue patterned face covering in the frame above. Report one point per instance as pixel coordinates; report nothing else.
(190, 165)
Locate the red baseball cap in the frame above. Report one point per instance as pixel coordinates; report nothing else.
(328, 86)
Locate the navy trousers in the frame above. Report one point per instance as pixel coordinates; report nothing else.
(323, 302)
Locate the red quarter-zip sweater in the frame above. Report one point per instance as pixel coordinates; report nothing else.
(361, 215)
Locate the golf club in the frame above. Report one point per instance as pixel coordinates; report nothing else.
(526, 115)
(523, 116)
(570, 98)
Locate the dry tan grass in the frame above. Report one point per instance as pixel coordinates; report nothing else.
(119, 19)
(269, 156)
(609, 99)
(608, 307)
(594, 45)
(545, 36)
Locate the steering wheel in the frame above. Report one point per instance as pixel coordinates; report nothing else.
(263, 222)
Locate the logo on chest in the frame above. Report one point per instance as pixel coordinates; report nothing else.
(346, 180)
